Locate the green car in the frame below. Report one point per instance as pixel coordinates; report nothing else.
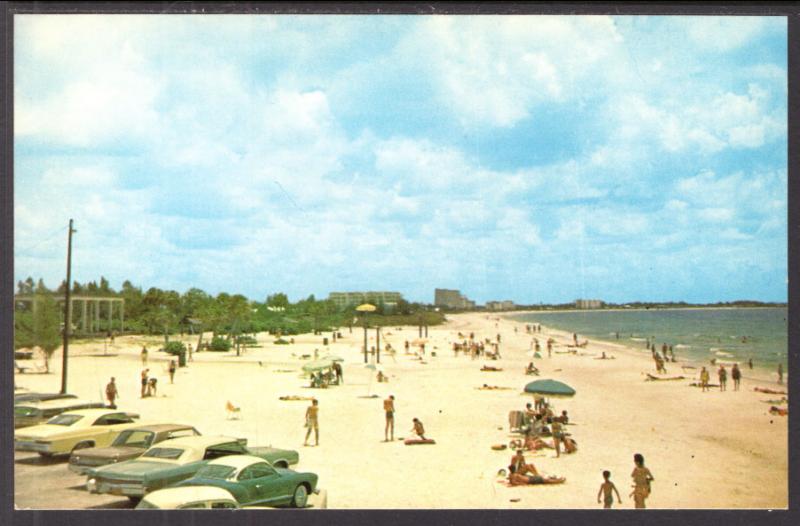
(173, 461)
(255, 482)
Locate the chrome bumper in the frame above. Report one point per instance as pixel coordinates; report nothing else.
(31, 445)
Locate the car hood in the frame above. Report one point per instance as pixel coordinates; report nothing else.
(133, 468)
(118, 452)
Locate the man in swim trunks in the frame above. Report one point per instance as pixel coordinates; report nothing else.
(419, 429)
(312, 422)
(520, 466)
(388, 407)
(517, 479)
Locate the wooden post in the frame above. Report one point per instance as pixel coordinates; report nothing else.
(378, 343)
(83, 316)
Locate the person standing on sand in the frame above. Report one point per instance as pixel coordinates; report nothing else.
(641, 481)
(145, 373)
(190, 353)
(736, 374)
(111, 393)
(723, 377)
(575, 338)
(780, 373)
(704, 378)
(607, 489)
(312, 421)
(388, 407)
(549, 347)
(558, 434)
(144, 356)
(750, 363)
(172, 368)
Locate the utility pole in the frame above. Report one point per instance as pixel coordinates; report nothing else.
(366, 349)
(67, 311)
(378, 342)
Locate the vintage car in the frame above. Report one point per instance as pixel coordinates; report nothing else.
(189, 498)
(28, 414)
(73, 430)
(172, 461)
(130, 444)
(40, 397)
(255, 482)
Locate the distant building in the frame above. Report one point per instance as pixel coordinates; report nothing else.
(588, 304)
(500, 305)
(347, 299)
(452, 299)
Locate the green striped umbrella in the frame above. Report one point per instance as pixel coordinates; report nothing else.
(549, 388)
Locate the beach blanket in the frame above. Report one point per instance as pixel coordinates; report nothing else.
(418, 441)
(491, 369)
(295, 398)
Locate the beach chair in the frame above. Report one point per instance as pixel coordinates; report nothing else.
(233, 412)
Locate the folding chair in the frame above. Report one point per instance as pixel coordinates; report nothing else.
(233, 412)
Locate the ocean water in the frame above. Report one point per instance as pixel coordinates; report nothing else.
(697, 335)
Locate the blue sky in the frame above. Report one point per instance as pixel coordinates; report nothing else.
(531, 158)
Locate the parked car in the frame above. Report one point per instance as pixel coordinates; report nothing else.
(189, 498)
(255, 482)
(172, 461)
(28, 414)
(130, 444)
(73, 430)
(40, 397)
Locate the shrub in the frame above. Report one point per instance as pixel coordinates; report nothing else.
(174, 348)
(281, 341)
(219, 344)
(246, 340)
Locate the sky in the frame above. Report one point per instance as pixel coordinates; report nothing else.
(529, 158)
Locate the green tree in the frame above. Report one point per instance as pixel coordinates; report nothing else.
(278, 300)
(40, 328)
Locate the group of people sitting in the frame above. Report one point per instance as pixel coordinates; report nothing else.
(331, 376)
(522, 473)
(540, 422)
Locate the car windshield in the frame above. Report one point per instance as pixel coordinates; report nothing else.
(163, 452)
(216, 471)
(25, 411)
(64, 420)
(134, 438)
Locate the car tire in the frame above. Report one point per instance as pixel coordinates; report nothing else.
(300, 496)
(134, 500)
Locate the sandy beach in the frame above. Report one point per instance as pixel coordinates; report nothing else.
(705, 450)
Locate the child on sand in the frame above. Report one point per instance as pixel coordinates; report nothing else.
(607, 489)
(641, 481)
(418, 429)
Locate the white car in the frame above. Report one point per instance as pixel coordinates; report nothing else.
(207, 498)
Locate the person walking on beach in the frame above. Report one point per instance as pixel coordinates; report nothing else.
(172, 368)
(641, 481)
(388, 407)
(144, 356)
(723, 377)
(704, 378)
(736, 374)
(750, 363)
(312, 422)
(575, 338)
(780, 373)
(550, 347)
(111, 393)
(607, 489)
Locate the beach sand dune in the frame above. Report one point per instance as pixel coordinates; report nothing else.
(697, 445)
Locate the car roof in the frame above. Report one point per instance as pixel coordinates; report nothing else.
(173, 497)
(97, 412)
(160, 428)
(51, 404)
(196, 442)
(238, 461)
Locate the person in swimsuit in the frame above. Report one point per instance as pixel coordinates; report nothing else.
(641, 481)
(723, 377)
(312, 422)
(418, 429)
(736, 374)
(704, 378)
(607, 489)
(145, 373)
(558, 434)
(520, 466)
(388, 407)
(518, 479)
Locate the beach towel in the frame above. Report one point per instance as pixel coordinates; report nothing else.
(418, 441)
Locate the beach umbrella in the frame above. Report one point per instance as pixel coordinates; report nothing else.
(549, 388)
(317, 365)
